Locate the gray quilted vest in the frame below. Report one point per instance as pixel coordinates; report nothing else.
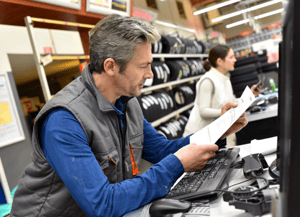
(41, 192)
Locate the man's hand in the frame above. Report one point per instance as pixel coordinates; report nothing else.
(194, 157)
(240, 123)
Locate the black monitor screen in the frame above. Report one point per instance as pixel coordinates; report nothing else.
(288, 152)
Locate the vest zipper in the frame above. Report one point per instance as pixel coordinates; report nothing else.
(123, 140)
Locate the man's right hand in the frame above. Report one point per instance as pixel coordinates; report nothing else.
(194, 157)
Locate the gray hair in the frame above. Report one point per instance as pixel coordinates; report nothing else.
(116, 37)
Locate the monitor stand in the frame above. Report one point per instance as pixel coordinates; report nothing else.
(273, 170)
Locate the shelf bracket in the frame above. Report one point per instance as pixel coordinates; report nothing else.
(37, 60)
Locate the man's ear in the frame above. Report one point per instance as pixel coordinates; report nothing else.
(110, 66)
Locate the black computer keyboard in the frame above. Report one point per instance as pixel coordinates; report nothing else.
(203, 183)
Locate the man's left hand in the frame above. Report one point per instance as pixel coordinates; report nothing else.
(240, 123)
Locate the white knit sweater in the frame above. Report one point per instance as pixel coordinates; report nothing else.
(213, 90)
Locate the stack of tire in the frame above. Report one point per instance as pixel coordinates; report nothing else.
(176, 45)
(181, 69)
(157, 47)
(196, 66)
(246, 73)
(156, 105)
(174, 128)
(206, 46)
(187, 113)
(161, 74)
(183, 95)
(174, 69)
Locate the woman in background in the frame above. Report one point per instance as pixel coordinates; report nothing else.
(214, 89)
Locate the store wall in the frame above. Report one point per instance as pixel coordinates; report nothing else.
(16, 157)
(15, 40)
(221, 27)
(168, 12)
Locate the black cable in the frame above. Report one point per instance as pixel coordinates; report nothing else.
(233, 192)
(237, 165)
(237, 184)
(221, 191)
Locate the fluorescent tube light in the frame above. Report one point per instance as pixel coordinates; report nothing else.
(186, 29)
(255, 18)
(268, 14)
(245, 10)
(237, 23)
(165, 24)
(174, 26)
(215, 7)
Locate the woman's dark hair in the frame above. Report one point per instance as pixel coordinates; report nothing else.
(217, 51)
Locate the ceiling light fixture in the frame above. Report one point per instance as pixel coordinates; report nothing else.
(174, 26)
(255, 18)
(215, 7)
(245, 10)
(268, 14)
(237, 23)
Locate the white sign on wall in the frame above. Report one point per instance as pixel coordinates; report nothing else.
(11, 130)
(107, 7)
(74, 4)
(271, 46)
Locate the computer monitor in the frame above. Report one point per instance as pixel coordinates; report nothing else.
(288, 153)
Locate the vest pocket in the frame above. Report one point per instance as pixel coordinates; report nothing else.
(109, 164)
(136, 149)
(113, 161)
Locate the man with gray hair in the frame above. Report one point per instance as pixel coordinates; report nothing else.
(88, 140)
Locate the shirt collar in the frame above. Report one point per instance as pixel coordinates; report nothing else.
(220, 75)
(103, 103)
(119, 106)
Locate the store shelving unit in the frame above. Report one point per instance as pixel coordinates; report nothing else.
(183, 56)
(171, 115)
(169, 85)
(42, 60)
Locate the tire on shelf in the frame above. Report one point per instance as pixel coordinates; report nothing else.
(263, 59)
(203, 47)
(183, 96)
(243, 70)
(242, 85)
(246, 60)
(185, 69)
(170, 45)
(270, 67)
(243, 77)
(165, 131)
(175, 69)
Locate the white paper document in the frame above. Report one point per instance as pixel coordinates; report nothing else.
(264, 146)
(211, 133)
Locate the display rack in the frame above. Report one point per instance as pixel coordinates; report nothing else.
(171, 115)
(37, 57)
(42, 60)
(170, 84)
(183, 56)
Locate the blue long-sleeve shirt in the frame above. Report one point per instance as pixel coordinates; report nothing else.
(66, 148)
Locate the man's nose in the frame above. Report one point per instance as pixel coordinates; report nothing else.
(149, 73)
